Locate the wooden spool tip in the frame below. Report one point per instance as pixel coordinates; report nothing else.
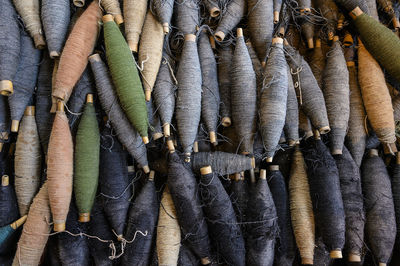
(253, 162)
(167, 130)
(226, 121)
(30, 110)
(190, 37)
(282, 31)
(355, 12)
(165, 27)
(219, 36)
(145, 139)
(187, 157)
(263, 174)
(157, 135)
(147, 95)
(213, 138)
(133, 46)
(196, 146)
(350, 63)
(108, 18)
(292, 142)
(215, 12)
(310, 43)
(269, 159)
(335, 38)
(151, 175)
(6, 87)
(205, 261)
(277, 40)
(307, 261)
(398, 158)
(336, 254)
(212, 42)
(206, 170)
(274, 167)
(336, 152)
(324, 130)
(239, 32)
(354, 257)
(373, 153)
(39, 41)
(89, 98)
(5, 180)
(276, 17)
(330, 35)
(348, 40)
(146, 169)
(170, 145)
(119, 19)
(1, 146)
(79, 3)
(84, 217)
(95, 58)
(59, 227)
(382, 264)
(14, 125)
(239, 176)
(60, 106)
(19, 222)
(263, 64)
(317, 135)
(54, 54)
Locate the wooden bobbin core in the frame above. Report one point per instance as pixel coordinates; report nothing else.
(108, 18)
(151, 175)
(239, 32)
(226, 121)
(253, 162)
(281, 32)
(59, 227)
(307, 261)
(330, 35)
(212, 42)
(205, 261)
(389, 148)
(145, 139)
(310, 43)
(206, 170)
(119, 19)
(190, 37)
(348, 40)
(196, 146)
(1, 146)
(239, 176)
(252, 176)
(317, 135)
(398, 158)
(84, 217)
(60, 106)
(14, 125)
(336, 254)
(382, 264)
(147, 95)
(29, 111)
(274, 167)
(89, 98)
(318, 43)
(324, 130)
(157, 135)
(336, 152)
(269, 159)
(187, 157)
(213, 138)
(354, 257)
(263, 174)
(219, 36)
(5, 180)
(54, 54)
(6, 87)
(146, 169)
(277, 40)
(39, 41)
(350, 63)
(165, 27)
(276, 17)
(167, 130)
(373, 153)
(215, 12)
(133, 46)
(356, 12)
(292, 142)
(19, 222)
(79, 3)
(335, 38)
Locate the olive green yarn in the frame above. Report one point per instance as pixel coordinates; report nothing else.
(86, 159)
(381, 42)
(126, 77)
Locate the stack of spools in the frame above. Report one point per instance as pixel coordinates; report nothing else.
(187, 132)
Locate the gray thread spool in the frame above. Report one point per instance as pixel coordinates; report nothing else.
(258, 69)
(55, 16)
(154, 121)
(25, 79)
(212, 7)
(163, 10)
(351, 4)
(164, 92)
(337, 96)
(188, 103)
(187, 12)
(128, 136)
(373, 11)
(210, 99)
(317, 63)
(291, 127)
(44, 119)
(273, 98)
(235, 11)
(9, 46)
(277, 10)
(225, 55)
(310, 95)
(243, 95)
(261, 26)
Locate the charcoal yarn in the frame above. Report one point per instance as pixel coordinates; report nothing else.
(223, 163)
(210, 98)
(380, 224)
(163, 11)
(350, 186)
(396, 190)
(349, 5)
(188, 12)
(258, 68)
(221, 219)
(55, 17)
(291, 127)
(273, 99)
(8, 202)
(243, 96)
(224, 64)
(239, 194)
(128, 136)
(188, 102)
(337, 96)
(25, 78)
(9, 46)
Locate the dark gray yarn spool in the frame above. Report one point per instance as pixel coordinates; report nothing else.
(164, 90)
(188, 16)
(277, 5)
(55, 15)
(44, 119)
(291, 127)
(210, 91)
(155, 129)
(162, 9)
(261, 25)
(128, 136)
(25, 78)
(273, 99)
(203, 142)
(235, 11)
(222, 163)
(380, 225)
(349, 5)
(337, 96)
(311, 98)
(188, 103)
(317, 64)
(9, 41)
(4, 119)
(225, 54)
(243, 96)
(258, 69)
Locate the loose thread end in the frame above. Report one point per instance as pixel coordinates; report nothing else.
(6, 87)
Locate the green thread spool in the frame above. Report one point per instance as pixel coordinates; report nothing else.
(87, 157)
(125, 76)
(379, 40)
